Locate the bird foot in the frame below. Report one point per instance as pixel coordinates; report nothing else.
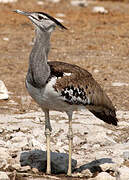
(69, 173)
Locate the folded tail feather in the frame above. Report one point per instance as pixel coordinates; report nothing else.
(109, 118)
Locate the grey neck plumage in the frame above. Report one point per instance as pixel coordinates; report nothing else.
(39, 70)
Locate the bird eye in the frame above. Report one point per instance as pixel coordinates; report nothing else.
(40, 17)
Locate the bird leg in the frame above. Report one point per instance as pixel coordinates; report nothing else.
(48, 130)
(70, 137)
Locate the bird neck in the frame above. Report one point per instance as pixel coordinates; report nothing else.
(39, 70)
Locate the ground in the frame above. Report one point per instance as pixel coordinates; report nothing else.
(96, 42)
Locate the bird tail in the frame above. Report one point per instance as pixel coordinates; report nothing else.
(108, 116)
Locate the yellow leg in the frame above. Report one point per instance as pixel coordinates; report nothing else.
(48, 130)
(48, 133)
(70, 137)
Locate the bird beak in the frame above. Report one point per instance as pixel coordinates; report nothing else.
(22, 12)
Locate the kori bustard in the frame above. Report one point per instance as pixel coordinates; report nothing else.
(61, 86)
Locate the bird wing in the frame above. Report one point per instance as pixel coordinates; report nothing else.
(78, 87)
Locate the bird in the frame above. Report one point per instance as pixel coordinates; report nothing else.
(61, 86)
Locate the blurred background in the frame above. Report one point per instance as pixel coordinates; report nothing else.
(97, 39)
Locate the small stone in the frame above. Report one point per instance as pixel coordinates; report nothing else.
(77, 140)
(1, 130)
(40, 2)
(95, 165)
(2, 143)
(87, 173)
(4, 176)
(13, 167)
(104, 176)
(84, 146)
(81, 3)
(120, 84)
(109, 166)
(99, 9)
(3, 91)
(126, 155)
(3, 163)
(54, 1)
(6, 39)
(24, 169)
(60, 15)
(124, 173)
(35, 170)
(96, 71)
(96, 146)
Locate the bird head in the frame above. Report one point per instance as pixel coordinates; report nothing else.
(42, 20)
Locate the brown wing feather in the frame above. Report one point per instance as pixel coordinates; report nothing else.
(100, 104)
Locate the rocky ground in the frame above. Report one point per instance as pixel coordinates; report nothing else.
(97, 41)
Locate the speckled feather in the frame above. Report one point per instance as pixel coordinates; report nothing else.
(79, 87)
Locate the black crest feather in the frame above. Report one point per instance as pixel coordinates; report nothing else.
(54, 20)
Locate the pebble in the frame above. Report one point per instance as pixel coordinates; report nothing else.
(1, 130)
(54, 1)
(99, 9)
(120, 84)
(81, 3)
(104, 176)
(126, 155)
(4, 176)
(40, 2)
(109, 166)
(6, 39)
(3, 91)
(60, 15)
(7, 1)
(124, 173)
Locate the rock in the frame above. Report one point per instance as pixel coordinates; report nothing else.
(100, 137)
(126, 155)
(54, 1)
(37, 159)
(120, 84)
(4, 157)
(25, 169)
(2, 143)
(82, 3)
(7, 1)
(4, 176)
(95, 166)
(1, 130)
(124, 173)
(104, 176)
(60, 15)
(99, 9)
(3, 163)
(35, 170)
(6, 39)
(3, 91)
(87, 173)
(40, 2)
(109, 167)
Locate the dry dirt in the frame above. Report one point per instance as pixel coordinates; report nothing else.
(96, 42)
(93, 41)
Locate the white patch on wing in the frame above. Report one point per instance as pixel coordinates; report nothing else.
(67, 74)
(48, 97)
